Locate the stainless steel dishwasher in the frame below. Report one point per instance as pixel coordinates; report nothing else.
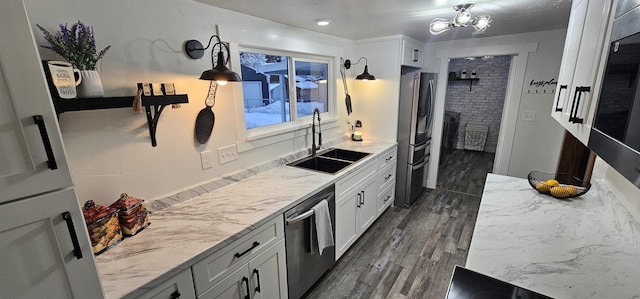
(305, 265)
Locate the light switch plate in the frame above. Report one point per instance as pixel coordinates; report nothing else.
(227, 154)
(528, 116)
(206, 157)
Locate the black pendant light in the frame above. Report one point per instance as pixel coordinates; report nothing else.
(219, 72)
(365, 76)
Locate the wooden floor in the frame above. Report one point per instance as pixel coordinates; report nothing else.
(410, 253)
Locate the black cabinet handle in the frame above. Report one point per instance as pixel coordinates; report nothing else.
(255, 244)
(558, 109)
(573, 104)
(77, 252)
(359, 200)
(573, 117)
(175, 295)
(415, 55)
(387, 159)
(51, 162)
(362, 198)
(246, 281)
(388, 197)
(387, 177)
(257, 273)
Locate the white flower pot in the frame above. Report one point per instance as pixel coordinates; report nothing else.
(91, 85)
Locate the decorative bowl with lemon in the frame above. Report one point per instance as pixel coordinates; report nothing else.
(557, 185)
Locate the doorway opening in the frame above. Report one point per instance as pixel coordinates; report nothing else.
(473, 112)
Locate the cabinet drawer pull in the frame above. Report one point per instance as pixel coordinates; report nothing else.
(359, 200)
(175, 295)
(387, 159)
(257, 273)
(387, 177)
(246, 281)
(574, 117)
(362, 198)
(387, 199)
(415, 55)
(51, 159)
(77, 252)
(255, 244)
(558, 109)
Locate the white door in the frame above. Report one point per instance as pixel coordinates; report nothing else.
(367, 207)
(346, 222)
(29, 163)
(39, 254)
(234, 286)
(269, 273)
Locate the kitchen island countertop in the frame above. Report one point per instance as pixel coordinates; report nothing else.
(189, 231)
(587, 247)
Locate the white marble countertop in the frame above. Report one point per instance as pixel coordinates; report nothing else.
(587, 247)
(188, 231)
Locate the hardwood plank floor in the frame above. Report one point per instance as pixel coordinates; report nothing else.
(410, 253)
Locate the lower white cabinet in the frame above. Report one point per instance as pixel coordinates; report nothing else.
(253, 266)
(178, 286)
(356, 197)
(264, 276)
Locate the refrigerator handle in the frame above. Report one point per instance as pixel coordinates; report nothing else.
(430, 105)
(421, 164)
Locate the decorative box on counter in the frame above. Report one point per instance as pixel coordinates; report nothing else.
(103, 226)
(132, 214)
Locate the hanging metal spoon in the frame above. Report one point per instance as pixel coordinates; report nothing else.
(206, 118)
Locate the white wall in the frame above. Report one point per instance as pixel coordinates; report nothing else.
(375, 103)
(109, 151)
(620, 187)
(529, 145)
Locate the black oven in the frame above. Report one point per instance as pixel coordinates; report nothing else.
(615, 135)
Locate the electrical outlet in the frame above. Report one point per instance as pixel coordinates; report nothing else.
(206, 158)
(528, 116)
(227, 154)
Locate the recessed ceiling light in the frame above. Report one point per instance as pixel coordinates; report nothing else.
(323, 22)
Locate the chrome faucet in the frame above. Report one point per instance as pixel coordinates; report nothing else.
(313, 132)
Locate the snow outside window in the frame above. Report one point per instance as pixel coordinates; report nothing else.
(270, 82)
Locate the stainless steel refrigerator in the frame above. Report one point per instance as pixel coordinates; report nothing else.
(415, 120)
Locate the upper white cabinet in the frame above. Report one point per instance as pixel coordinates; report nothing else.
(576, 94)
(32, 160)
(412, 52)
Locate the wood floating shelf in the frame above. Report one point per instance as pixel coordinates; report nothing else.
(466, 79)
(153, 106)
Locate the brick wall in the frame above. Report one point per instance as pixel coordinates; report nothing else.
(484, 103)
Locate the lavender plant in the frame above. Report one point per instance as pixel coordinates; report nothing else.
(76, 44)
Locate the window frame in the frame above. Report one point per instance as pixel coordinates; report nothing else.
(262, 136)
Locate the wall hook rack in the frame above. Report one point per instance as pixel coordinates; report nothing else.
(154, 105)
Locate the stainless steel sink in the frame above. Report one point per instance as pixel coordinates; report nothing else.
(343, 154)
(330, 161)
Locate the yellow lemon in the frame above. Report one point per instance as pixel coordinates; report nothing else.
(542, 187)
(564, 191)
(552, 183)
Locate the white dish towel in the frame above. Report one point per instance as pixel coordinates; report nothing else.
(323, 225)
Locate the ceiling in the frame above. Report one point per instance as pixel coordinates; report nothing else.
(361, 19)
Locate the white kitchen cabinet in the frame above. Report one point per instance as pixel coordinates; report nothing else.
(255, 260)
(32, 160)
(356, 197)
(386, 179)
(45, 249)
(264, 276)
(412, 52)
(178, 286)
(576, 93)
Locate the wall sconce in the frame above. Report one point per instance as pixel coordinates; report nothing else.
(365, 76)
(462, 19)
(219, 73)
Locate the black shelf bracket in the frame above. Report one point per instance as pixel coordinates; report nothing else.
(154, 105)
(466, 79)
